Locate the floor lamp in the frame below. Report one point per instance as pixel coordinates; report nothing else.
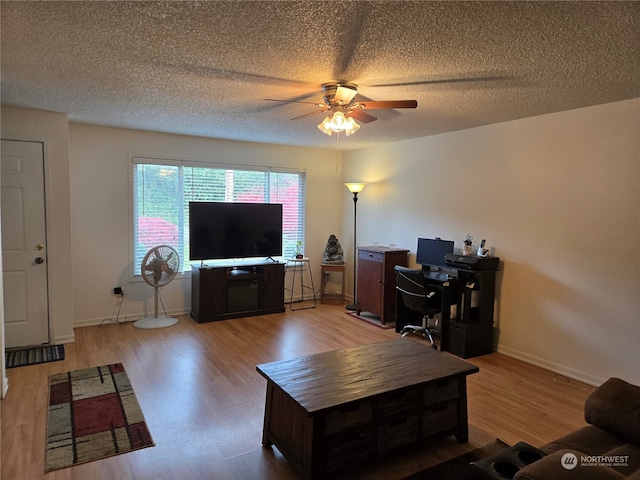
(354, 188)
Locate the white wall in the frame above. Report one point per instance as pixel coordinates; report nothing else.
(557, 198)
(101, 205)
(52, 130)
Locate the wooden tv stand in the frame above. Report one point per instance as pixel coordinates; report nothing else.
(221, 291)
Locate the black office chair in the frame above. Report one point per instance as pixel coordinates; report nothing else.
(418, 296)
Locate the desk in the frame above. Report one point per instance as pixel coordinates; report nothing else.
(297, 265)
(324, 417)
(332, 298)
(472, 292)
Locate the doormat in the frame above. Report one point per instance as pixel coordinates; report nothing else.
(92, 414)
(371, 319)
(456, 468)
(20, 357)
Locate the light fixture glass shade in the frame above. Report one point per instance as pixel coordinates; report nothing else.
(353, 129)
(325, 126)
(338, 122)
(355, 187)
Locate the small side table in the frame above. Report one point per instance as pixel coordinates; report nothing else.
(297, 265)
(332, 298)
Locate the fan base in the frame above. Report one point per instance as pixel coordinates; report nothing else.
(155, 322)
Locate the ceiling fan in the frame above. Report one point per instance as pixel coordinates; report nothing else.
(339, 99)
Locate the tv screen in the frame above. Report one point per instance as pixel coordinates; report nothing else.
(431, 251)
(220, 230)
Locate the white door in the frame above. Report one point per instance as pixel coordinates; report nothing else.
(24, 246)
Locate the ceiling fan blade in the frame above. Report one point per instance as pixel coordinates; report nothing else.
(344, 95)
(385, 104)
(212, 71)
(491, 78)
(311, 113)
(361, 116)
(294, 101)
(350, 30)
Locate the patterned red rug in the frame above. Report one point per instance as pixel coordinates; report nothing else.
(92, 414)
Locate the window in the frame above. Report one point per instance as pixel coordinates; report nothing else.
(162, 191)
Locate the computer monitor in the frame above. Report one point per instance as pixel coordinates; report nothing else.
(431, 251)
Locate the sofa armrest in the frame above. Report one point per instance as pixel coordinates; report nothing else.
(615, 407)
(552, 466)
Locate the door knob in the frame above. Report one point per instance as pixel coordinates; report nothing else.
(39, 260)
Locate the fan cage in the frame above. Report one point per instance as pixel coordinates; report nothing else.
(160, 265)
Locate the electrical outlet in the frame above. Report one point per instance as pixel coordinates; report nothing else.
(117, 291)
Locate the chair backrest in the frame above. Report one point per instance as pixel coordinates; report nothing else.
(415, 292)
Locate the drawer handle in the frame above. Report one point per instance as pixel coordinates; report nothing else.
(441, 385)
(371, 255)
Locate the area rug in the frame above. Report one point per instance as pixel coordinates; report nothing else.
(92, 414)
(371, 319)
(20, 357)
(455, 468)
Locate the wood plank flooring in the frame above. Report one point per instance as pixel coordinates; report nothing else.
(204, 401)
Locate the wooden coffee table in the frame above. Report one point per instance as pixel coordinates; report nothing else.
(331, 410)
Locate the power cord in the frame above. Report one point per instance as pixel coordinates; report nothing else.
(119, 307)
(116, 309)
(162, 303)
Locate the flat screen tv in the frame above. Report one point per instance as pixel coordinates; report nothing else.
(431, 251)
(219, 230)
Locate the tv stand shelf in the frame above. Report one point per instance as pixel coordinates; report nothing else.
(236, 289)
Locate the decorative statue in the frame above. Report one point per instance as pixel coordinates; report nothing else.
(333, 252)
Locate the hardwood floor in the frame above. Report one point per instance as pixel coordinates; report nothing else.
(204, 401)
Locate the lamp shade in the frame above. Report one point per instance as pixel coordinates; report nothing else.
(325, 126)
(355, 187)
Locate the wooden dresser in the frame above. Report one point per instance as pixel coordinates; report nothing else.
(376, 281)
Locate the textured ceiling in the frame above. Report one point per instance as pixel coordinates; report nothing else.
(205, 68)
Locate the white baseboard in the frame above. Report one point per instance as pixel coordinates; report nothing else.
(560, 369)
(64, 339)
(92, 322)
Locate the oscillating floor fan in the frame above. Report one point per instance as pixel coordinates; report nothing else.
(159, 266)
